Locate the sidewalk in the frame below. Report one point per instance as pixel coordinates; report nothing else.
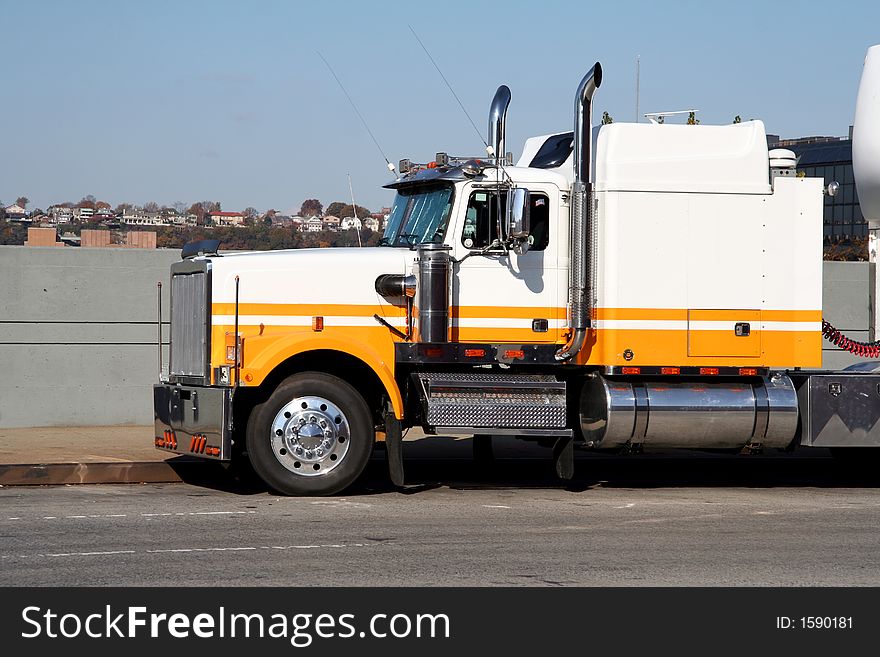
(86, 455)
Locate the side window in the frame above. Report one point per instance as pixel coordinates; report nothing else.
(539, 220)
(481, 220)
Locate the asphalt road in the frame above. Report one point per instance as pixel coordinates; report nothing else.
(623, 521)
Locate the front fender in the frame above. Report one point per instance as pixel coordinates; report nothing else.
(372, 346)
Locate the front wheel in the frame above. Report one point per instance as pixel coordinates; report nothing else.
(313, 436)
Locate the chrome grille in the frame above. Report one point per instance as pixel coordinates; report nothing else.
(189, 328)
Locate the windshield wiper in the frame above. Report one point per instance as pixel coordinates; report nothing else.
(411, 239)
(384, 241)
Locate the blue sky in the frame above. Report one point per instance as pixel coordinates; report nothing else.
(229, 101)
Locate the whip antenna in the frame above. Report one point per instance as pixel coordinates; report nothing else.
(360, 116)
(449, 85)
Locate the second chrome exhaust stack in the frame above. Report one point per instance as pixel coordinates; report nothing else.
(579, 291)
(498, 122)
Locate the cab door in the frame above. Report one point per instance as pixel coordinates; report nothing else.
(499, 296)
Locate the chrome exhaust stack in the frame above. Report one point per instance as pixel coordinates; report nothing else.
(498, 123)
(579, 291)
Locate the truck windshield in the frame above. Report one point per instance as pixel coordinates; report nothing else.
(418, 216)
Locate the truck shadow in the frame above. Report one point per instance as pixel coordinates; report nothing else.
(448, 462)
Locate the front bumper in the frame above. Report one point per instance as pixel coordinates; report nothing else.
(193, 420)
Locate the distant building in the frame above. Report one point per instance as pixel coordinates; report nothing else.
(372, 223)
(15, 212)
(830, 158)
(350, 222)
(314, 225)
(226, 218)
(188, 219)
(58, 214)
(140, 217)
(331, 222)
(42, 237)
(296, 222)
(83, 214)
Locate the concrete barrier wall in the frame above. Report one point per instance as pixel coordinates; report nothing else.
(78, 331)
(845, 300)
(78, 334)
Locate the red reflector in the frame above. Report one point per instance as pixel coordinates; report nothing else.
(632, 370)
(434, 352)
(670, 370)
(474, 353)
(748, 371)
(317, 323)
(708, 371)
(514, 353)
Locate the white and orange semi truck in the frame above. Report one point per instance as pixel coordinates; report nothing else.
(624, 287)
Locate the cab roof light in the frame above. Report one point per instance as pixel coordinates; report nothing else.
(404, 166)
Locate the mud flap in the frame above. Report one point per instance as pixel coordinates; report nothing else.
(394, 449)
(563, 455)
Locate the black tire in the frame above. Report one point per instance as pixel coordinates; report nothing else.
(292, 410)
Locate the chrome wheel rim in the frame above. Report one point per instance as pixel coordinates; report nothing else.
(310, 436)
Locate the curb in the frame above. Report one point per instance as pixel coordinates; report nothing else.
(145, 472)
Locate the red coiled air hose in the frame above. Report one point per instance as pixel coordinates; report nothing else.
(862, 349)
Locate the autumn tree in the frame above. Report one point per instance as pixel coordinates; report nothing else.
(250, 213)
(151, 206)
(22, 201)
(102, 205)
(122, 207)
(311, 207)
(341, 210)
(202, 208)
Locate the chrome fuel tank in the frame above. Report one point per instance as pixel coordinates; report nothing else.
(697, 415)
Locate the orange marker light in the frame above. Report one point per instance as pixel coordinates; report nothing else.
(708, 371)
(670, 370)
(434, 352)
(632, 370)
(474, 353)
(514, 353)
(748, 371)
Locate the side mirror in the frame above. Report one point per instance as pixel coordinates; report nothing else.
(516, 219)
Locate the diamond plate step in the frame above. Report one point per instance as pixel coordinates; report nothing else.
(512, 401)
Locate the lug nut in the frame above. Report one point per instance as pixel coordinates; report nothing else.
(323, 424)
